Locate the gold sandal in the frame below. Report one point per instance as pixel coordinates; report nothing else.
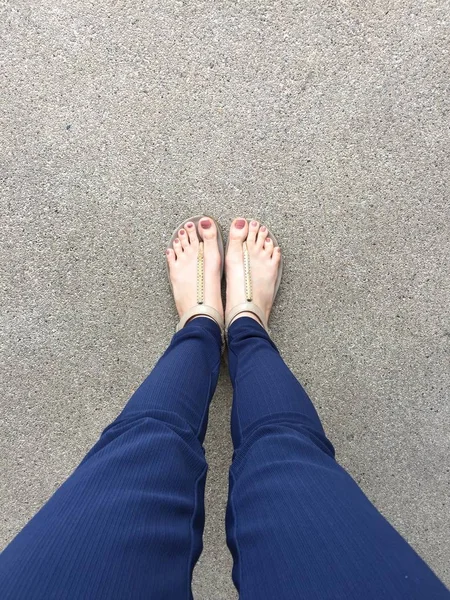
(200, 309)
(249, 305)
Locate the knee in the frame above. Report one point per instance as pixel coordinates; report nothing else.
(285, 439)
(148, 420)
(153, 429)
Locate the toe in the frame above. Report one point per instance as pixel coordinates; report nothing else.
(170, 255)
(262, 235)
(276, 255)
(268, 245)
(207, 229)
(252, 232)
(177, 247)
(238, 231)
(184, 240)
(191, 233)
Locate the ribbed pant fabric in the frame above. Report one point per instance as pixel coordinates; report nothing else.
(128, 523)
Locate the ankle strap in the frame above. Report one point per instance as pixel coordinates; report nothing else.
(246, 307)
(201, 310)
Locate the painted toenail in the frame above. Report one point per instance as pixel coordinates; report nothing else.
(167, 252)
(268, 240)
(263, 228)
(205, 223)
(189, 225)
(176, 241)
(182, 232)
(254, 223)
(240, 224)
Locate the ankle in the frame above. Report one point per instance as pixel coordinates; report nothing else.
(246, 314)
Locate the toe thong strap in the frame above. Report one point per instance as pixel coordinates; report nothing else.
(201, 310)
(246, 307)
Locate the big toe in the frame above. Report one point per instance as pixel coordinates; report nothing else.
(238, 232)
(208, 229)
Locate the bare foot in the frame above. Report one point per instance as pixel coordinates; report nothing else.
(182, 262)
(264, 263)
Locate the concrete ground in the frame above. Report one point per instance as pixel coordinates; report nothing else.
(328, 121)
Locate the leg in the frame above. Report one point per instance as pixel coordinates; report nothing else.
(298, 526)
(128, 522)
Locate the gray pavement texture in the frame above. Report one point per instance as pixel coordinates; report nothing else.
(328, 121)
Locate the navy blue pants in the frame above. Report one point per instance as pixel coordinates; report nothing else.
(127, 524)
